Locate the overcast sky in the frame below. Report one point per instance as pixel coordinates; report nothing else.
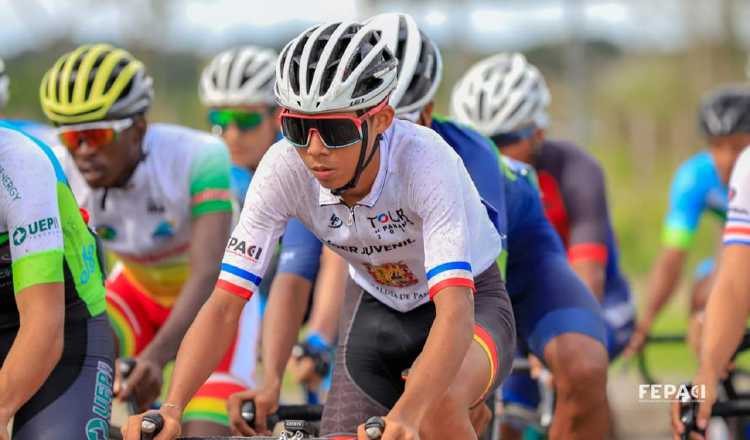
(207, 25)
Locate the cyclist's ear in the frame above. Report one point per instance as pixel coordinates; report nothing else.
(380, 121)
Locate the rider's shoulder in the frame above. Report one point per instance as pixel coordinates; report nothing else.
(179, 140)
(412, 146)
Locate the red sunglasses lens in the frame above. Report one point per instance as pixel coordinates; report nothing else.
(94, 138)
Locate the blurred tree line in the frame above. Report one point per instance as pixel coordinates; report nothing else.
(640, 114)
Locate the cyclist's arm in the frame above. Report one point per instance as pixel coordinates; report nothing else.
(441, 199)
(729, 301)
(586, 199)
(209, 235)
(37, 347)
(445, 349)
(727, 311)
(662, 282)
(205, 344)
(685, 207)
(281, 324)
(329, 295)
(211, 212)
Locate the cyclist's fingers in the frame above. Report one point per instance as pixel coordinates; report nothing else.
(127, 386)
(170, 431)
(132, 429)
(677, 426)
(234, 408)
(704, 413)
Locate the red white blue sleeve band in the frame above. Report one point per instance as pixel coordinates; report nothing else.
(238, 281)
(454, 274)
(737, 230)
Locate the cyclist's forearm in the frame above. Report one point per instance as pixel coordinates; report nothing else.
(33, 355)
(205, 344)
(662, 282)
(445, 349)
(281, 323)
(329, 294)
(194, 294)
(726, 313)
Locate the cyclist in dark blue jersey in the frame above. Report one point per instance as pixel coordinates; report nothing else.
(505, 97)
(699, 186)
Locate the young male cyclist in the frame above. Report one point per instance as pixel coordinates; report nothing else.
(699, 186)
(505, 98)
(728, 304)
(56, 347)
(411, 303)
(159, 197)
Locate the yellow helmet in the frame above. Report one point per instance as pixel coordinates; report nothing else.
(93, 83)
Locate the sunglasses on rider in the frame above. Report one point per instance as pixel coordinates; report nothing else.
(511, 137)
(95, 134)
(335, 130)
(221, 119)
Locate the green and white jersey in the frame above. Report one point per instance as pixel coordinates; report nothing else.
(43, 237)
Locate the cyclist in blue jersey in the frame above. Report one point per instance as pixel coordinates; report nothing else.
(699, 187)
(555, 314)
(506, 98)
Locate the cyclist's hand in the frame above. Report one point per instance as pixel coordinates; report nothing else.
(395, 429)
(266, 402)
(144, 382)
(303, 371)
(170, 431)
(638, 340)
(4, 432)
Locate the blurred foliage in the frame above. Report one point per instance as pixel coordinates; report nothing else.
(640, 111)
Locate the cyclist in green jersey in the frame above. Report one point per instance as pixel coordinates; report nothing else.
(56, 347)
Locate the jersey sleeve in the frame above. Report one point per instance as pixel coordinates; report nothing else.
(585, 195)
(210, 189)
(686, 199)
(262, 220)
(31, 214)
(737, 229)
(437, 192)
(300, 251)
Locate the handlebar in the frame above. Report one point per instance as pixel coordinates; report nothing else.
(153, 422)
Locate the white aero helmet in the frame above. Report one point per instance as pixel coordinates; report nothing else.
(501, 94)
(239, 76)
(420, 66)
(4, 85)
(342, 66)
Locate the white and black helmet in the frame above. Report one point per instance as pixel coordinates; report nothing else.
(501, 94)
(4, 85)
(342, 66)
(420, 66)
(239, 76)
(725, 111)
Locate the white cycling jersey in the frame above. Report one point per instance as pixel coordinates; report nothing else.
(737, 230)
(421, 228)
(146, 224)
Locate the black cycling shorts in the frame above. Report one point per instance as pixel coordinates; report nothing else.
(75, 402)
(377, 343)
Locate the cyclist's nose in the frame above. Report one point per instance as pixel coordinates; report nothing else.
(316, 145)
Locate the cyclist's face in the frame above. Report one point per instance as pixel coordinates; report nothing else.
(247, 147)
(334, 167)
(725, 150)
(525, 149)
(107, 165)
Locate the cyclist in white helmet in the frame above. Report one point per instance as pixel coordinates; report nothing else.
(345, 157)
(505, 98)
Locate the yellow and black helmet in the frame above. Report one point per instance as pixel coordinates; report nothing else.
(94, 83)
